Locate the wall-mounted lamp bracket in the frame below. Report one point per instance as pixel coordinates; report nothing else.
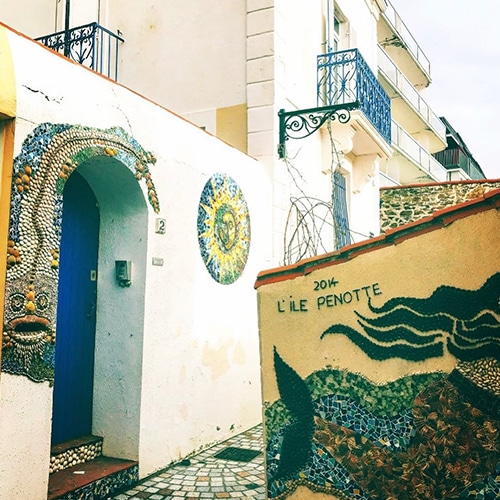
(304, 122)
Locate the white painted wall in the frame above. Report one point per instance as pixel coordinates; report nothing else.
(120, 314)
(302, 34)
(212, 54)
(193, 55)
(177, 364)
(25, 413)
(361, 30)
(31, 18)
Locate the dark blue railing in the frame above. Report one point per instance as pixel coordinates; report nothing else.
(91, 45)
(340, 212)
(345, 78)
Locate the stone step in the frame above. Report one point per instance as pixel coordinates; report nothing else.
(74, 452)
(97, 479)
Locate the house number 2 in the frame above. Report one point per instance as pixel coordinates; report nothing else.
(160, 226)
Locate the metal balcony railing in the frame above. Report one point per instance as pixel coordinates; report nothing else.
(453, 159)
(90, 45)
(393, 19)
(410, 148)
(345, 78)
(387, 181)
(403, 86)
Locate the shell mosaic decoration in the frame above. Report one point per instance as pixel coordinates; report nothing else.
(223, 229)
(425, 436)
(48, 157)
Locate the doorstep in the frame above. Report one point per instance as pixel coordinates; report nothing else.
(98, 479)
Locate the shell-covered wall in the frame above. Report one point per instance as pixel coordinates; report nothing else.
(48, 157)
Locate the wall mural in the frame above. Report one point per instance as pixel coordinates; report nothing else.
(424, 436)
(48, 157)
(416, 329)
(223, 229)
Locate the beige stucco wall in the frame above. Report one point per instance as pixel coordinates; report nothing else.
(297, 304)
(7, 84)
(7, 112)
(402, 270)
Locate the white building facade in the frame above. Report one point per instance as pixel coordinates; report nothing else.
(230, 67)
(174, 362)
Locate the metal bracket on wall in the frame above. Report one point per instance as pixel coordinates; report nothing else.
(304, 122)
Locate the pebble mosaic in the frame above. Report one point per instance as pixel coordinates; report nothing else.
(75, 456)
(105, 487)
(49, 154)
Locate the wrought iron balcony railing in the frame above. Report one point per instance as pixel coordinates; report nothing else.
(345, 78)
(91, 45)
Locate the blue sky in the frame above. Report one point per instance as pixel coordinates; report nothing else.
(462, 41)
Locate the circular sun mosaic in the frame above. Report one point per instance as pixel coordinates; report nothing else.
(223, 229)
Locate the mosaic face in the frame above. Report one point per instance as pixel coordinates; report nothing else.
(48, 157)
(223, 229)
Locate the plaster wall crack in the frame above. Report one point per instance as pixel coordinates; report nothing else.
(118, 107)
(44, 94)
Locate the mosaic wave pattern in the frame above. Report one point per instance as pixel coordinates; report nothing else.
(383, 401)
(395, 433)
(466, 322)
(223, 229)
(48, 157)
(430, 450)
(323, 473)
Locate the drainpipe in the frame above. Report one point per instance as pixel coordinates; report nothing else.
(66, 29)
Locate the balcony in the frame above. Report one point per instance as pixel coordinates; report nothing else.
(414, 163)
(409, 108)
(455, 160)
(90, 45)
(397, 40)
(344, 78)
(386, 181)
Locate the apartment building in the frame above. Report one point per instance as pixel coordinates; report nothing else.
(230, 67)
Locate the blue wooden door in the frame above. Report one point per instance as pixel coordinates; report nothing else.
(76, 312)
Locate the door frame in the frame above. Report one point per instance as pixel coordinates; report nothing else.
(120, 320)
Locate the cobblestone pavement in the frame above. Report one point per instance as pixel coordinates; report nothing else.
(205, 476)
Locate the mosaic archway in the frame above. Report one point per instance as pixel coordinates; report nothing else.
(48, 157)
(223, 229)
